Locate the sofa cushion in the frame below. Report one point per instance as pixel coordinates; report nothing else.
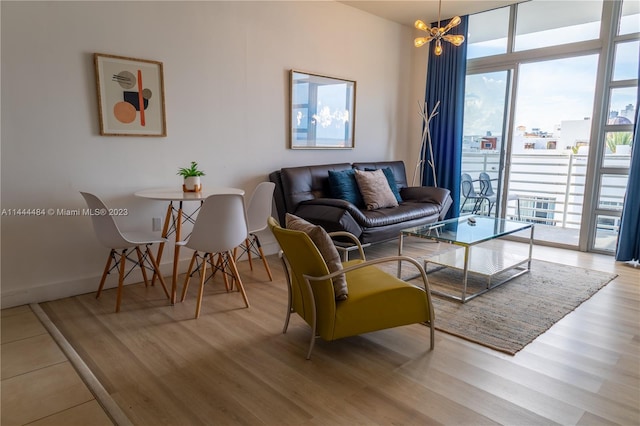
(344, 186)
(375, 189)
(327, 249)
(306, 183)
(388, 173)
(397, 167)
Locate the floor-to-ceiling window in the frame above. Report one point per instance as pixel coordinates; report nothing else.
(550, 87)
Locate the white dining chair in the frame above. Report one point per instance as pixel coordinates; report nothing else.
(221, 226)
(258, 211)
(122, 245)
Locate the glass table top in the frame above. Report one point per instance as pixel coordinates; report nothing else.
(462, 231)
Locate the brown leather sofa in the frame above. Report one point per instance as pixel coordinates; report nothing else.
(306, 193)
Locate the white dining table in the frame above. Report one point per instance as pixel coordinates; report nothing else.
(175, 217)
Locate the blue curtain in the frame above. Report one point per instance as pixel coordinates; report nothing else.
(629, 235)
(445, 83)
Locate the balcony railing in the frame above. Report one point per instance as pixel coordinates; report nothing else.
(550, 186)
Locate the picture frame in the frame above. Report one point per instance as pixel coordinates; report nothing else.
(123, 84)
(322, 111)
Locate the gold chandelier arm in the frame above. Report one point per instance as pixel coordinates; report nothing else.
(422, 26)
(454, 39)
(438, 48)
(454, 22)
(421, 41)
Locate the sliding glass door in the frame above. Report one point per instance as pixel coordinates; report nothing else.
(484, 129)
(550, 144)
(549, 113)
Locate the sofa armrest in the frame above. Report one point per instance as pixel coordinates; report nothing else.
(429, 194)
(425, 194)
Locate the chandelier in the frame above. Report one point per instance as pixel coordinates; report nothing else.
(438, 33)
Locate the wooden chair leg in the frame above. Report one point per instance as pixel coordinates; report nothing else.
(185, 286)
(262, 256)
(214, 268)
(106, 271)
(247, 244)
(220, 266)
(141, 265)
(123, 261)
(236, 275)
(156, 272)
(201, 291)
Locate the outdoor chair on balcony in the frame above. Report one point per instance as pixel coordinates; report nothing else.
(474, 198)
(486, 189)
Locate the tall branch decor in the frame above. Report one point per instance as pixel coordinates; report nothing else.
(426, 144)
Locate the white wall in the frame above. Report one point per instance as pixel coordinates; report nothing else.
(226, 86)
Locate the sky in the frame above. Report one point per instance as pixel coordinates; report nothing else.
(548, 91)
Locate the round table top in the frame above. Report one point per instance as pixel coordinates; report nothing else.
(177, 194)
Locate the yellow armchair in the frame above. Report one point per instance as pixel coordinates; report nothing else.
(376, 300)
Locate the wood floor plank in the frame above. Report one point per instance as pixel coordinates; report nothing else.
(234, 365)
(30, 354)
(40, 393)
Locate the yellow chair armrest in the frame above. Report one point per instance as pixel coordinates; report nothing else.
(363, 264)
(352, 237)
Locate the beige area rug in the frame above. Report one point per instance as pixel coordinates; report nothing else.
(510, 316)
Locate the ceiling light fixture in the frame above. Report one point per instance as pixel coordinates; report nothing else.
(438, 33)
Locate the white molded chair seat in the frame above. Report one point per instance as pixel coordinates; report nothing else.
(258, 211)
(121, 244)
(220, 227)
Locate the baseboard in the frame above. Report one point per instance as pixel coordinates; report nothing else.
(59, 290)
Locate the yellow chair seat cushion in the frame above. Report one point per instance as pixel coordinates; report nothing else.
(377, 301)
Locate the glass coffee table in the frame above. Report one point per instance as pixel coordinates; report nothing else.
(469, 232)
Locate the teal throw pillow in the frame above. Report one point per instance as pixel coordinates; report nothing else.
(344, 186)
(388, 173)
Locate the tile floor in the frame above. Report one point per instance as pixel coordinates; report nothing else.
(39, 386)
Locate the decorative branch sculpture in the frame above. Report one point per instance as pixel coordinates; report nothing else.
(426, 144)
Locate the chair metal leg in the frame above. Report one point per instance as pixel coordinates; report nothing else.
(285, 267)
(432, 340)
(314, 325)
(311, 344)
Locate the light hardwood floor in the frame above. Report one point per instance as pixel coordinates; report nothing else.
(234, 366)
(39, 384)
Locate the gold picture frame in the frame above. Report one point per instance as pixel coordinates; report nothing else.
(130, 96)
(321, 111)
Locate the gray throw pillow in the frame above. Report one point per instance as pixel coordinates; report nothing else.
(327, 249)
(375, 189)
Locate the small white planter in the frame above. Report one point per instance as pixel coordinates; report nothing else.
(192, 184)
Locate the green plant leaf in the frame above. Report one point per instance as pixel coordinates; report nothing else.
(190, 171)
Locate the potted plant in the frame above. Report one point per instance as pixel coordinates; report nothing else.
(191, 177)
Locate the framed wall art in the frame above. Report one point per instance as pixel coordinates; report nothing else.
(130, 96)
(322, 111)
